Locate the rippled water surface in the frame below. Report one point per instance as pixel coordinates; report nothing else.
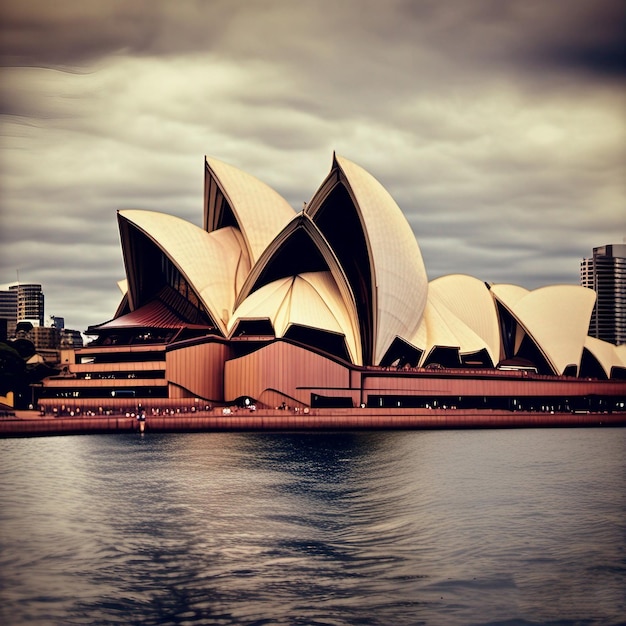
(394, 528)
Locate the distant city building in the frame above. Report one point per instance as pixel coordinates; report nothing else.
(8, 311)
(71, 338)
(30, 303)
(25, 303)
(605, 273)
(57, 322)
(45, 337)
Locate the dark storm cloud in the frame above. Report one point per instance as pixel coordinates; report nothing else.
(496, 126)
(70, 33)
(588, 38)
(585, 34)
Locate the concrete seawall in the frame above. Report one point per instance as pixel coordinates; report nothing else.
(27, 424)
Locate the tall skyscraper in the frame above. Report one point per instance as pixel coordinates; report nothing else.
(605, 273)
(30, 303)
(8, 311)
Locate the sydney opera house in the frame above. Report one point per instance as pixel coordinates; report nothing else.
(327, 307)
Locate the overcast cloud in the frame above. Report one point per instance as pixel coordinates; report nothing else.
(498, 126)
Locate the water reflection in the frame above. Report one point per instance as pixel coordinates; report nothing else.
(346, 528)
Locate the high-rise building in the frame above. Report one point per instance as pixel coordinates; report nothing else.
(30, 303)
(8, 310)
(605, 273)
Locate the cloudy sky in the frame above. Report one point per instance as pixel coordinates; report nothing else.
(499, 127)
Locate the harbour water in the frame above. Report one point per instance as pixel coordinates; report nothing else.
(383, 528)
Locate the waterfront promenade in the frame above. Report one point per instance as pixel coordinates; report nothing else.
(32, 423)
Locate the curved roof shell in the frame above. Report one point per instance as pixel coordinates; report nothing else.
(469, 300)
(442, 327)
(214, 264)
(310, 299)
(445, 330)
(392, 303)
(300, 248)
(258, 211)
(556, 318)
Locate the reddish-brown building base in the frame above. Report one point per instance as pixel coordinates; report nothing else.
(313, 420)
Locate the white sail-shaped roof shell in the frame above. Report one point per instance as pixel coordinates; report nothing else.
(214, 264)
(310, 299)
(469, 300)
(261, 212)
(398, 272)
(441, 327)
(299, 224)
(446, 330)
(555, 317)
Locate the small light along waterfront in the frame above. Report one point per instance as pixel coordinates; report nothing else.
(490, 526)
